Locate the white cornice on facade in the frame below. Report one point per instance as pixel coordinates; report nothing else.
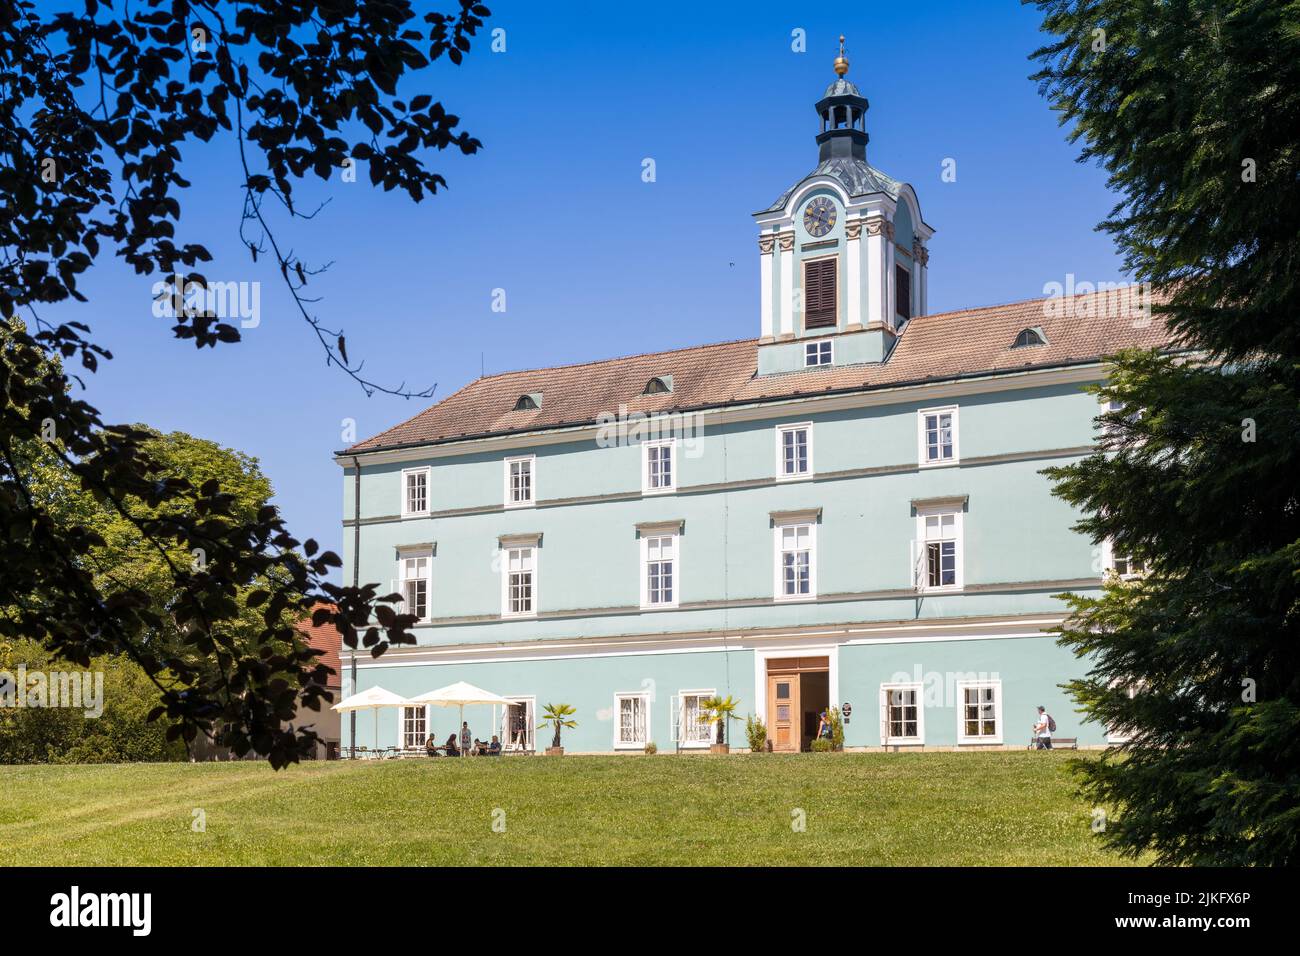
(1036, 626)
(754, 411)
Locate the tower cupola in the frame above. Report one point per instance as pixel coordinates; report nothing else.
(843, 256)
(843, 113)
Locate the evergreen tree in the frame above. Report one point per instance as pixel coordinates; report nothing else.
(1193, 109)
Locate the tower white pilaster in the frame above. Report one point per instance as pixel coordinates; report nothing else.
(766, 244)
(786, 240)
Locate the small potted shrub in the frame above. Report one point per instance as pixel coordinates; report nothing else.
(756, 732)
(720, 710)
(558, 716)
(821, 746)
(651, 748)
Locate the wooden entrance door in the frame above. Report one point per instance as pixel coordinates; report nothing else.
(783, 712)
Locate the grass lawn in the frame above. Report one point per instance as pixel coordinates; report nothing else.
(950, 809)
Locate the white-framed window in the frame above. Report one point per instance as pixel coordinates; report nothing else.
(1120, 735)
(902, 714)
(660, 569)
(414, 727)
(690, 728)
(979, 714)
(937, 442)
(796, 561)
(519, 581)
(818, 353)
(937, 551)
(794, 451)
(631, 720)
(520, 474)
(415, 492)
(415, 583)
(518, 723)
(658, 466)
(1126, 567)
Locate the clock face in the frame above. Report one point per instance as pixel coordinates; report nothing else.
(819, 217)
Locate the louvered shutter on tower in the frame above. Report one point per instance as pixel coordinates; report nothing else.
(819, 293)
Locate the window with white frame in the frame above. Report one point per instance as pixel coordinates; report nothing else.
(658, 469)
(796, 560)
(631, 720)
(414, 582)
(659, 564)
(414, 727)
(937, 436)
(519, 481)
(938, 550)
(979, 720)
(693, 727)
(1126, 567)
(415, 492)
(519, 580)
(902, 713)
(1114, 733)
(818, 353)
(794, 451)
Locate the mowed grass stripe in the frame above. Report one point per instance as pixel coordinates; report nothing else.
(1007, 808)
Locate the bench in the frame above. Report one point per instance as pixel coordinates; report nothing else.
(1058, 743)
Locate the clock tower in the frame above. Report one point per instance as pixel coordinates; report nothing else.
(842, 253)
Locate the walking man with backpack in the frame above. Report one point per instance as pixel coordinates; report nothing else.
(1043, 730)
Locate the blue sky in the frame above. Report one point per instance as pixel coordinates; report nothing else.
(594, 261)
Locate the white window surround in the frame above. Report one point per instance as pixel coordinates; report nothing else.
(887, 737)
(920, 557)
(781, 432)
(669, 486)
(408, 476)
(415, 726)
(622, 743)
(1115, 735)
(509, 741)
(654, 540)
(1110, 563)
(689, 732)
(530, 461)
(520, 556)
(962, 736)
(819, 353)
(801, 527)
(922, 440)
(408, 573)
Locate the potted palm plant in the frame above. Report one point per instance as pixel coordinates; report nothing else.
(558, 716)
(720, 710)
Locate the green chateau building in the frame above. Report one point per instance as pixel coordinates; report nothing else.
(846, 510)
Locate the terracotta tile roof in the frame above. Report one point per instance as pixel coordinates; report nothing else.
(933, 347)
(325, 638)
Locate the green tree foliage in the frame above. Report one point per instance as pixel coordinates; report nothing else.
(1193, 109)
(121, 734)
(100, 107)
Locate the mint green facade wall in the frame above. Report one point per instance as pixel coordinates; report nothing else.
(1029, 670)
(1018, 546)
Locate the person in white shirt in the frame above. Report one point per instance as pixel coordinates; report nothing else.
(1042, 731)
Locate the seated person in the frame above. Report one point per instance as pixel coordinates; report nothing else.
(450, 748)
(431, 747)
(479, 749)
(494, 748)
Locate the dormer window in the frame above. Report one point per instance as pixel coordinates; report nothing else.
(529, 402)
(1030, 337)
(659, 385)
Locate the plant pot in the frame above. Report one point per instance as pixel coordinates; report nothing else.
(555, 751)
(719, 749)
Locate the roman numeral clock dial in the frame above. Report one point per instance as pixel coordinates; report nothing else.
(819, 217)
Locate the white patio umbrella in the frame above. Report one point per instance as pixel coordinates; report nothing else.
(458, 695)
(373, 698)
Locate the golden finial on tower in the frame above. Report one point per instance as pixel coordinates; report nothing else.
(841, 61)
